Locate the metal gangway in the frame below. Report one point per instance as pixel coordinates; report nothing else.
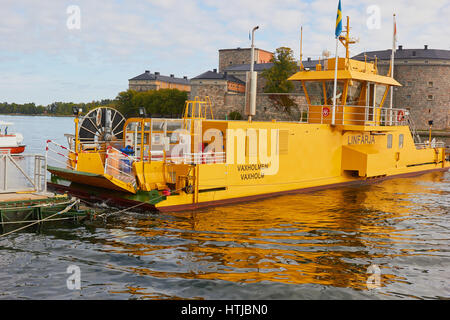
(22, 173)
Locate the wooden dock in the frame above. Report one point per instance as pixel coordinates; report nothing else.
(19, 209)
(8, 197)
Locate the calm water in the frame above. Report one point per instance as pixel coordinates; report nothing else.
(308, 246)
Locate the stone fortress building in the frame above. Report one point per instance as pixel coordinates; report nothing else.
(239, 56)
(424, 74)
(155, 81)
(234, 64)
(425, 78)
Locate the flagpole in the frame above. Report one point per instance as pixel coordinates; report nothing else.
(301, 48)
(392, 68)
(337, 33)
(333, 121)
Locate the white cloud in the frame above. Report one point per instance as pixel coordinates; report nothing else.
(120, 39)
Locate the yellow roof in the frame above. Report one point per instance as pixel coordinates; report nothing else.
(343, 75)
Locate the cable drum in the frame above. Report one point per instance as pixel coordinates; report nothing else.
(101, 125)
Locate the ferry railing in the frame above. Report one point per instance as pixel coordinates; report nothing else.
(23, 173)
(200, 158)
(119, 165)
(358, 115)
(99, 145)
(189, 158)
(433, 144)
(56, 152)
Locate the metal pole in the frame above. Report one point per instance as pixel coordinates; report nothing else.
(252, 69)
(301, 48)
(5, 174)
(333, 121)
(76, 133)
(429, 139)
(392, 70)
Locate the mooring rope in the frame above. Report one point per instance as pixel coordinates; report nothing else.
(104, 215)
(45, 219)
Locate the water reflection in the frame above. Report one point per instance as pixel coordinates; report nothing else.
(327, 238)
(306, 246)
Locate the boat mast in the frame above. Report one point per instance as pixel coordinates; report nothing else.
(392, 67)
(301, 48)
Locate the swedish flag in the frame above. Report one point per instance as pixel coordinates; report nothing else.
(339, 21)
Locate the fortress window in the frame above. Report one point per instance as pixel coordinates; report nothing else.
(430, 84)
(430, 97)
(401, 138)
(389, 141)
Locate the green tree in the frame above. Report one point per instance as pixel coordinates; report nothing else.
(234, 115)
(125, 104)
(168, 102)
(284, 66)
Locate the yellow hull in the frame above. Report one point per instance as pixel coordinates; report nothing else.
(313, 157)
(310, 157)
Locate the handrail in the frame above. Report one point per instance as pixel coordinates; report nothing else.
(52, 154)
(119, 165)
(189, 158)
(349, 114)
(34, 172)
(432, 145)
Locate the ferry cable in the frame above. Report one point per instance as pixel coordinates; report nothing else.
(106, 215)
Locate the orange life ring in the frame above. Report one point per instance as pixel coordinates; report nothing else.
(400, 116)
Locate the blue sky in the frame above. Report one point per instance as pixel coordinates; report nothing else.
(42, 60)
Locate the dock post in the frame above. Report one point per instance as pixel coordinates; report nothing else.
(5, 173)
(1, 220)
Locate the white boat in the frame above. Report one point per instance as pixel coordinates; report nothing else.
(10, 141)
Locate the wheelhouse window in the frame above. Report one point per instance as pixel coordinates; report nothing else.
(329, 88)
(380, 91)
(370, 101)
(321, 92)
(354, 93)
(314, 90)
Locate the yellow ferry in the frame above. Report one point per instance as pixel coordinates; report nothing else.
(196, 161)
